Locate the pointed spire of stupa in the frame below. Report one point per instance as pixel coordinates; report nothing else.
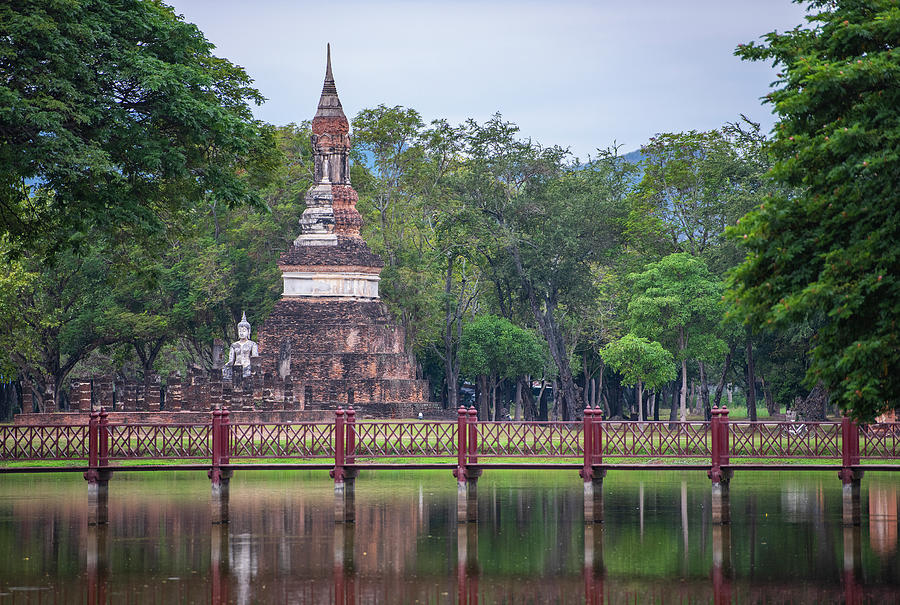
(329, 87)
(329, 103)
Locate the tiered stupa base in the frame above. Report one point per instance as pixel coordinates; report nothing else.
(342, 353)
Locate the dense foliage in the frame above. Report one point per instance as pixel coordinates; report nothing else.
(121, 110)
(142, 210)
(827, 254)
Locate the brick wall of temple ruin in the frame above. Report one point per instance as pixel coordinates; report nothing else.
(201, 392)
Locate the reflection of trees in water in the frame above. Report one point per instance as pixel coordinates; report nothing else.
(530, 540)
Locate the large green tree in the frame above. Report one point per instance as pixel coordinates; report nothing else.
(828, 254)
(54, 313)
(546, 224)
(495, 348)
(640, 362)
(677, 301)
(120, 108)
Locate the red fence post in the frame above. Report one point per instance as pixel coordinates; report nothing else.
(462, 429)
(588, 436)
(351, 436)
(473, 435)
(225, 439)
(103, 439)
(850, 472)
(93, 475)
(719, 454)
(93, 442)
(849, 451)
(717, 448)
(467, 507)
(593, 479)
(220, 455)
(725, 440)
(344, 478)
(97, 474)
(216, 435)
(338, 473)
(598, 436)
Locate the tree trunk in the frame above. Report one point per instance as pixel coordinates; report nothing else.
(531, 410)
(554, 411)
(518, 414)
(751, 382)
(721, 384)
(704, 392)
(600, 384)
(653, 410)
(767, 395)
(693, 405)
(681, 347)
(640, 401)
(571, 399)
(494, 411)
(673, 410)
(483, 398)
(451, 364)
(543, 413)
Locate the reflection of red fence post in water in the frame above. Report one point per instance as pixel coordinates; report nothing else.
(344, 572)
(594, 569)
(721, 568)
(97, 564)
(852, 564)
(467, 568)
(219, 565)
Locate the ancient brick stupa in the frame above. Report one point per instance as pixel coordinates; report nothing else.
(330, 332)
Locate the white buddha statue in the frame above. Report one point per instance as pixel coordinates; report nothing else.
(241, 351)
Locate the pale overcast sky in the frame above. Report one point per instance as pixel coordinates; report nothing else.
(578, 74)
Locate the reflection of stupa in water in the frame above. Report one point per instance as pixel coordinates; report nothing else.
(330, 332)
(883, 518)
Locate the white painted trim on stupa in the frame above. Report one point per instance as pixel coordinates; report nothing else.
(331, 284)
(316, 239)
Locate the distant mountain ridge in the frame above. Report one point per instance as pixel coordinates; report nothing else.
(634, 157)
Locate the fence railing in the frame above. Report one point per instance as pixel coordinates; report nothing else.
(44, 442)
(345, 441)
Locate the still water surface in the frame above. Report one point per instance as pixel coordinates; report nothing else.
(786, 542)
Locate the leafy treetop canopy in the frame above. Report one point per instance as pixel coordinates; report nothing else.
(121, 110)
(640, 360)
(829, 254)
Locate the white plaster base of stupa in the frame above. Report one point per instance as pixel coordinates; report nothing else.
(331, 284)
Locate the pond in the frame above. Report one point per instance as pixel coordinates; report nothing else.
(785, 542)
